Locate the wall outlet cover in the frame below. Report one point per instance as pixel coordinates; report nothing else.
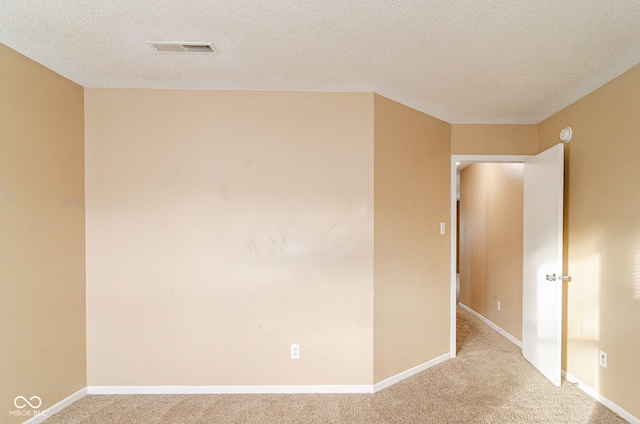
(295, 351)
(603, 359)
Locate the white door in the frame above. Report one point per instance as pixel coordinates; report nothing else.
(542, 266)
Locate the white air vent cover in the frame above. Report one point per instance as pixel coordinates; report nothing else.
(183, 47)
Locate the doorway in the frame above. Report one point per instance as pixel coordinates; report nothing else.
(455, 159)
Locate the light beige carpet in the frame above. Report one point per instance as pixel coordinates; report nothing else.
(489, 382)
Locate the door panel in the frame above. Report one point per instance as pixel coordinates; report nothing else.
(542, 251)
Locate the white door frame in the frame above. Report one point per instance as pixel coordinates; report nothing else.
(453, 224)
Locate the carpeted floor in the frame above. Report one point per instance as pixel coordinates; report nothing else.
(489, 382)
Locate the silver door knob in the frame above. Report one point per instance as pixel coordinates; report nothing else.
(552, 277)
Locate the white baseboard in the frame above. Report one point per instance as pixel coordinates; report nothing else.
(408, 373)
(492, 325)
(227, 390)
(57, 407)
(603, 400)
(188, 390)
(94, 390)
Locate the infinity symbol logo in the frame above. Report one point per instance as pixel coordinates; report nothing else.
(26, 402)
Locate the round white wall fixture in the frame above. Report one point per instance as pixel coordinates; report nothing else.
(565, 135)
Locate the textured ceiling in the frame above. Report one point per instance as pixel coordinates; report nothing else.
(463, 61)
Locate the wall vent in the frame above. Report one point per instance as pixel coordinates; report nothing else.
(182, 47)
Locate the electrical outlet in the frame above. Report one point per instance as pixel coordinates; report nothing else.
(603, 359)
(498, 305)
(295, 351)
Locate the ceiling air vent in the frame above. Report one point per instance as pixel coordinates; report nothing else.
(180, 47)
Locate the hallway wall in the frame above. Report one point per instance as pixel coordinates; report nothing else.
(491, 201)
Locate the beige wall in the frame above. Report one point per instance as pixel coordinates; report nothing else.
(491, 196)
(42, 306)
(602, 202)
(478, 139)
(222, 227)
(412, 259)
